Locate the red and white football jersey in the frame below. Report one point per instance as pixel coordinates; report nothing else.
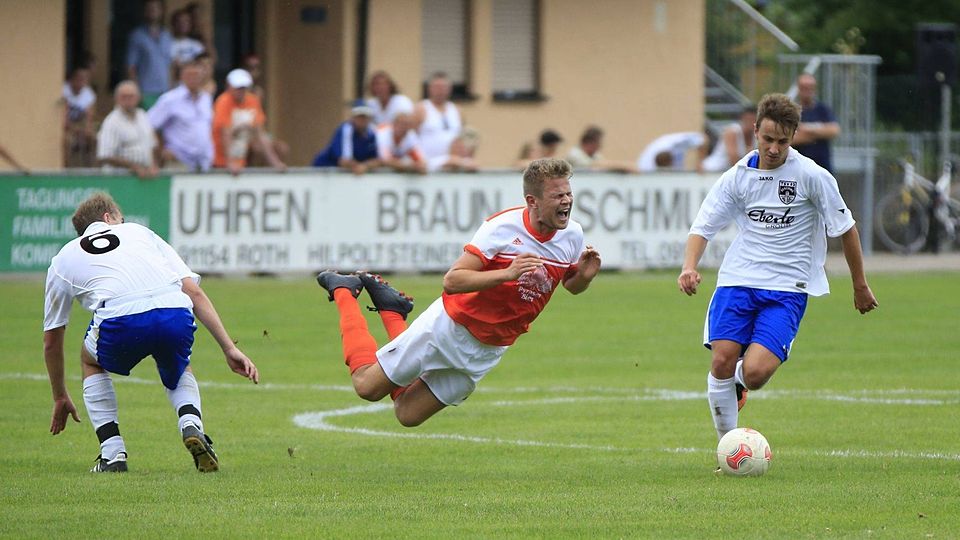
(498, 315)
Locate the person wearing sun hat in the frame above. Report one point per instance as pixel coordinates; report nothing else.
(238, 125)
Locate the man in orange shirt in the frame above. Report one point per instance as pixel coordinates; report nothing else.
(238, 121)
(491, 294)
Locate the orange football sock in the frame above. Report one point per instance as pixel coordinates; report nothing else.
(393, 322)
(359, 347)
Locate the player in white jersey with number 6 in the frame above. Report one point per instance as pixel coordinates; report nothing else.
(503, 280)
(144, 299)
(782, 202)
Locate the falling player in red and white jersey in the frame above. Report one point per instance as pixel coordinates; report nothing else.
(491, 294)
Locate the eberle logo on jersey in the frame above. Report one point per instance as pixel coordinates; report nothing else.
(788, 191)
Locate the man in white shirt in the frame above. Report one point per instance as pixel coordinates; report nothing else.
(184, 117)
(126, 139)
(782, 203)
(668, 152)
(399, 146)
(144, 300)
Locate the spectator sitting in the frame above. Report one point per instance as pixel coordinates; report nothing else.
(8, 157)
(399, 146)
(734, 142)
(183, 117)
(78, 135)
(438, 119)
(126, 138)
(354, 143)
(386, 101)
(668, 151)
(460, 158)
(185, 48)
(148, 54)
(587, 154)
(253, 65)
(548, 146)
(238, 126)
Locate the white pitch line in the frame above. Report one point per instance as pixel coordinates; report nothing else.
(318, 421)
(867, 396)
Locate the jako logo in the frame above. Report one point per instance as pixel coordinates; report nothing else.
(772, 220)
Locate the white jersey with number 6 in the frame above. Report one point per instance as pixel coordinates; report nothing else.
(114, 270)
(781, 215)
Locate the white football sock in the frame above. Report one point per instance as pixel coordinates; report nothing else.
(101, 402)
(722, 396)
(738, 373)
(185, 399)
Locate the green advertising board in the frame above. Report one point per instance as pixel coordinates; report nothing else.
(36, 211)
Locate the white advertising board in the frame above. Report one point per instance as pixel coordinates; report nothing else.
(393, 222)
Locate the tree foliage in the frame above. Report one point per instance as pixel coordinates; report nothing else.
(887, 27)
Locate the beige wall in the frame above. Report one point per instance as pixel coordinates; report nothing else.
(393, 42)
(634, 67)
(305, 74)
(31, 77)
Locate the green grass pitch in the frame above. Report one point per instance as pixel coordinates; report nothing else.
(594, 425)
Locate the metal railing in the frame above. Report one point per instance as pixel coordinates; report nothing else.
(742, 47)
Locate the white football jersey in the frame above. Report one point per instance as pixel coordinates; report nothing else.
(114, 270)
(781, 215)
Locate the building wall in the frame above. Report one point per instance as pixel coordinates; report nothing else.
(305, 73)
(31, 77)
(633, 67)
(393, 42)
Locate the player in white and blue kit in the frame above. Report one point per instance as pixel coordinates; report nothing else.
(143, 298)
(782, 202)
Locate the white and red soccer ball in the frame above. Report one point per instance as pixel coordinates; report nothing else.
(744, 452)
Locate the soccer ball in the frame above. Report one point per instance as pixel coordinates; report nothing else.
(744, 452)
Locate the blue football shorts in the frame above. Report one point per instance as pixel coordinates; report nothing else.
(164, 333)
(745, 315)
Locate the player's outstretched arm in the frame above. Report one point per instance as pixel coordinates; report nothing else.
(587, 268)
(863, 298)
(207, 314)
(467, 274)
(53, 356)
(689, 276)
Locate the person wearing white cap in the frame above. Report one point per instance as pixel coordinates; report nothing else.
(238, 121)
(354, 143)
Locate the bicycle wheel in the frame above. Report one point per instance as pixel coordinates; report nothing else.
(902, 222)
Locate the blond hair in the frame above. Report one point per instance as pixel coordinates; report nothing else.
(93, 209)
(779, 108)
(541, 170)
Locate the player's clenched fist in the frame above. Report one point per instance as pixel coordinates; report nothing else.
(522, 264)
(688, 281)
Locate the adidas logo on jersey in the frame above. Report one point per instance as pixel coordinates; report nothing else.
(517, 241)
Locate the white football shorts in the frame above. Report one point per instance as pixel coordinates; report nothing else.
(440, 352)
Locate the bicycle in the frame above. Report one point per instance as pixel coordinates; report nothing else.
(903, 216)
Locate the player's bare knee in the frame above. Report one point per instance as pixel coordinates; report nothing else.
(755, 379)
(367, 389)
(408, 419)
(723, 366)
